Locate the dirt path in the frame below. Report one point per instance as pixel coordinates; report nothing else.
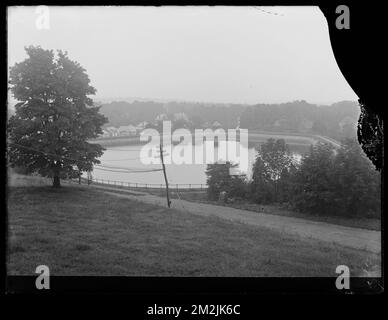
(345, 236)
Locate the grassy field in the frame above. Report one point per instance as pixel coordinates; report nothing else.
(81, 231)
(21, 180)
(369, 223)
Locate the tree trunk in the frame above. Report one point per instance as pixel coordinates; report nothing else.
(56, 182)
(56, 173)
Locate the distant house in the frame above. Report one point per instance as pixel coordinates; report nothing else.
(216, 124)
(129, 130)
(207, 124)
(280, 123)
(105, 133)
(141, 126)
(161, 117)
(112, 131)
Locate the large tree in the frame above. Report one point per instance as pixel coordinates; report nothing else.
(55, 116)
(338, 182)
(270, 171)
(315, 191)
(356, 181)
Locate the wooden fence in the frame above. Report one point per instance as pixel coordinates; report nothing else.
(144, 186)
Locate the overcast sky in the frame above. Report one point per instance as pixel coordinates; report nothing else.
(208, 54)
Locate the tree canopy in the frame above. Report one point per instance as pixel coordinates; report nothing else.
(324, 181)
(270, 172)
(54, 118)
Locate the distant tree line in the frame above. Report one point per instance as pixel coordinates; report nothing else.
(324, 181)
(337, 121)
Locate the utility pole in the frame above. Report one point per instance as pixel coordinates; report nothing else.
(165, 176)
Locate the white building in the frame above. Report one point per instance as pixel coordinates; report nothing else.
(161, 117)
(112, 131)
(105, 133)
(129, 130)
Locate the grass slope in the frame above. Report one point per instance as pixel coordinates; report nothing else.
(80, 231)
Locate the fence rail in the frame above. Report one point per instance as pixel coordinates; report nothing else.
(154, 186)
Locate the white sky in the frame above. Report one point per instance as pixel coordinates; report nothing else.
(213, 54)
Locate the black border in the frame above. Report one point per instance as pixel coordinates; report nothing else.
(226, 287)
(190, 285)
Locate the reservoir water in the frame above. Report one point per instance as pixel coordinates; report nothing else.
(124, 164)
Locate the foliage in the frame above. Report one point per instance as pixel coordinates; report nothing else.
(357, 183)
(370, 133)
(296, 116)
(327, 181)
(54, 117)
(314, 181)
(261, 187)
(220, 181)
(341, 182)
(271, 172)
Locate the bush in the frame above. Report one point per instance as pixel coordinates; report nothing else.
(341, 183)
(219, 180)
